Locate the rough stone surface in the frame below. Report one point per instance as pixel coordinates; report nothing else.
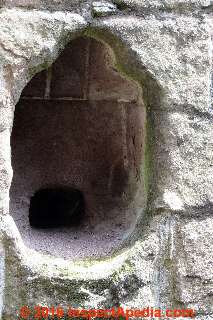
(165, 46)
(86, 131)
(103, 8)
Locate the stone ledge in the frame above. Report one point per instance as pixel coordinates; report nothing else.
(123, 6)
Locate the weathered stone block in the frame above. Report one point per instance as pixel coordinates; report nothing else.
(163, 47)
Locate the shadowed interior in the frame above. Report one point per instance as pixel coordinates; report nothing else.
(79, 125)
(56, 207)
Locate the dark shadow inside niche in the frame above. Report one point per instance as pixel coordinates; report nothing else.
(56, 207)
(78, 126)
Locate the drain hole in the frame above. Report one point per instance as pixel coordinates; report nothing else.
(56, 207)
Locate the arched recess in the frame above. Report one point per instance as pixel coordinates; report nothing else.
(81, 124)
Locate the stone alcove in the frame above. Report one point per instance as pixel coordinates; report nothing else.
(80, 124)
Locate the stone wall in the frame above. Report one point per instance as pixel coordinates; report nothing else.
(166, 48)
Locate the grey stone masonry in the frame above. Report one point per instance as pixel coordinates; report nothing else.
(114, 98)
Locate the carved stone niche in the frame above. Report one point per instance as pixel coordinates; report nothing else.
(78, 125)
